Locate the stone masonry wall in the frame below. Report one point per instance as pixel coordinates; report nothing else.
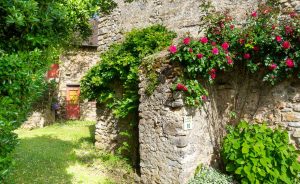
(168, 152)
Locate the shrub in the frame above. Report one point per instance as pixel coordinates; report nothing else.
(258, 154)
(208, 175)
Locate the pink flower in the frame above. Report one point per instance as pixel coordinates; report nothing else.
(225, 45)
(173, 49)
(199, 56)
(191, 50)
(289, 63)
(213, 43)
(256, 48)
(181, 87)
(215, 51)
(254, 14)
(186, 41)
(273, 66)
(203, 40)
(247, 56)
(231, 27)
(204, 97)
(286, 45)
(278, 38)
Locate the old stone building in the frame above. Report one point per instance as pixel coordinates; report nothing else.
(174, 139)
(63, 102)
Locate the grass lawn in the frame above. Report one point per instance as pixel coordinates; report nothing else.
(64, 154)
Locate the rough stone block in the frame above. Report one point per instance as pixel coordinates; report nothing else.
(296, 134)
(290, 117)
(294, 124)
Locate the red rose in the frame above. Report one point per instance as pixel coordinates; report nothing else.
(242, 41)
(181, 87)
(289, 63)
(286, 45)
(273, 27)
(173, 49)
(212, 73)
(203, 40)
(254, 14)
(293, 14)
(190, 50)
(278, 38)
(213, 43)
(231, 27)
(225, 45)
(215, 51)
(256, 48)
(247, 56)
(273, 66)
(229, 60)
(199, 56)
(186, 41)
(288, 30)
(204, 97)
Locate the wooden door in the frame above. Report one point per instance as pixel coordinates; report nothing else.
(72, 103)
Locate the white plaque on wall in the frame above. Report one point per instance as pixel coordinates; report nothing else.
(188, 123)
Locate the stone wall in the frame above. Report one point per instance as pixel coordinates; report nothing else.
(169, 153)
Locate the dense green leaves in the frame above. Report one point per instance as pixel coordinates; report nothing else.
(114, 81)
(33, 34)
(258, 154)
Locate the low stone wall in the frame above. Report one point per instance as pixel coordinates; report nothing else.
(170, 153)
(39, 119)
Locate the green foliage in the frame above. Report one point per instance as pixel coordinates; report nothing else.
(208, 175)
(194, 93)
(258, 154)
(265, 44)
(119, 69)
(32, 34)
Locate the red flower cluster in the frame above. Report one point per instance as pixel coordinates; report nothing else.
(215, 51)
(187, 41)
(225, 46)
(181, 87)
(273, 66)
(173, 49)
(247, 56)
(203, 40)
(286, 45)
(289, 63)
(212, 73)
(199, 56)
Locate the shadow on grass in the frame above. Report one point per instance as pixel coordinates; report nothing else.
(43, 160)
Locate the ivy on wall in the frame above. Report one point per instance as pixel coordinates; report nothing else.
(118, 69)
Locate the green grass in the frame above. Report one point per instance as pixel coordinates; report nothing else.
(64, 154)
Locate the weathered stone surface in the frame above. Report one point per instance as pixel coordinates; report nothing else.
(296, 134)
(290, 117)
(294, 124)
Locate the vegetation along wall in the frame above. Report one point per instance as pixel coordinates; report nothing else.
(182, 124)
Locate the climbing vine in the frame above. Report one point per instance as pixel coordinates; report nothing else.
(118, 69)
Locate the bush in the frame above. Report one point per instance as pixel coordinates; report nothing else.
(258, 154)
(208, 175)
